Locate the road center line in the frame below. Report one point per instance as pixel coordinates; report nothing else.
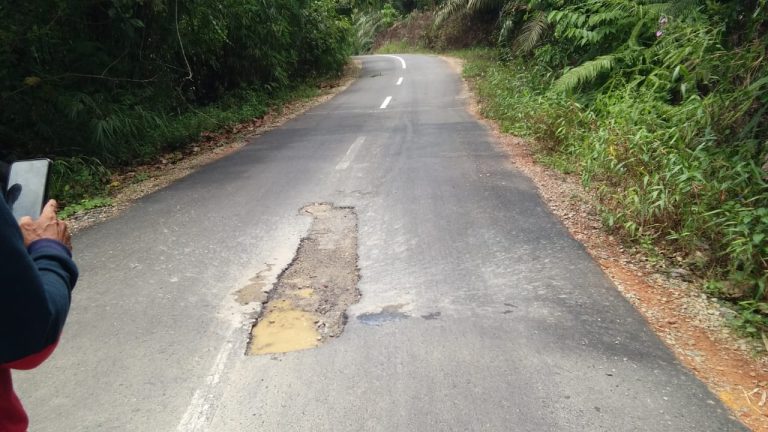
(386, 102)
(399, 81)
(402, 62)
(350, 153)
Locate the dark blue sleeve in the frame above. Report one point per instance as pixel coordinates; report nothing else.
(35, 290)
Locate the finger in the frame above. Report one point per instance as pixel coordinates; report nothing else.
(49, 211)
(25, 220)
(68, 243)
(65, 235)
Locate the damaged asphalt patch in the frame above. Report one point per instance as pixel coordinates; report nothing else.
(256, 290)
(308, 304)
(387, 314)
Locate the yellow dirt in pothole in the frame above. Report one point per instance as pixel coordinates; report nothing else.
(284, 329)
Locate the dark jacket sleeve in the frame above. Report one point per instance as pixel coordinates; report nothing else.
(35, 290)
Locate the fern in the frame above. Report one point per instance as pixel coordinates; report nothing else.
(584, 73)
(682, 7)
(634, 37)
(606, 17)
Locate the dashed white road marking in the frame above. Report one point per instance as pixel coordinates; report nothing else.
(399, 81)
(402, 62)
(386, 102)
(350, 153)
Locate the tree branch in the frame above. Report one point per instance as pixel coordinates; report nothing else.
(178, 35)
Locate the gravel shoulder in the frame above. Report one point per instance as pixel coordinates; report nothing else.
(694, 326)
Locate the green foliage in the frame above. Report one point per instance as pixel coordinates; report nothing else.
(77, 178)
(585, 72)
(531, 33)
(468, 7)
(368, 22)
(366, 26)
(84, 205)
(109, 79)
(400, 6)
(388, 15)
(327, 40)
(752, 318)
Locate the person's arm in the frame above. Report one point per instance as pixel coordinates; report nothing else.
(37, 275)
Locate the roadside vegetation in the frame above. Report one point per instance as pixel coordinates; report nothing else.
(659, 107)
(99, 85)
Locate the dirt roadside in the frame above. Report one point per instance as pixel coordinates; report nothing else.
(138, 181)
(692, 325)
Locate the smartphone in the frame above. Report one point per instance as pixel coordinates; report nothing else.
(27, 190)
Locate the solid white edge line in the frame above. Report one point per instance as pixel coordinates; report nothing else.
(350, 153)
(386, 102)
(399, 81)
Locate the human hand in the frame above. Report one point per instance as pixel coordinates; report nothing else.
(46, 226)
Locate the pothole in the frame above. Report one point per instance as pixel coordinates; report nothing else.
(308, 304)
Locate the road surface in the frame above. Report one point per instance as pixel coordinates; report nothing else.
(504, 322)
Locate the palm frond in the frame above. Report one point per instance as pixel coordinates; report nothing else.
(480, 5)
(450, 8)
(507, 27)
(532, 32)
(454, 7)
(584, 73)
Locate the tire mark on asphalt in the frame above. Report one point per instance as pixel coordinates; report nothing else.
(344, 163)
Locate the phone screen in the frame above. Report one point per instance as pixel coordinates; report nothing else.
(28, 187)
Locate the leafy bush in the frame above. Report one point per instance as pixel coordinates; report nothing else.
(369, 22)
(83, 205)
(99, 79)
(75, 179)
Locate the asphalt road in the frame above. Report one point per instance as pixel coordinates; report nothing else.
(509, 326)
